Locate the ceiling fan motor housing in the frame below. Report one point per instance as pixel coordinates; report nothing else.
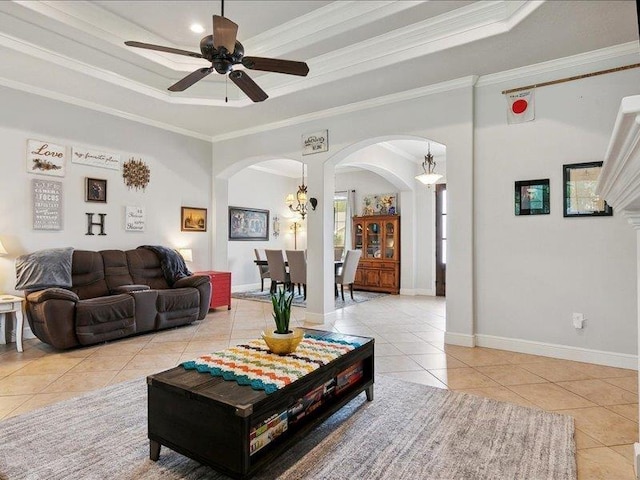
(221, 59)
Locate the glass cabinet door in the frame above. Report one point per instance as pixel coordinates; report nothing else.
(358, 232)
(389, 240)
(373, 240)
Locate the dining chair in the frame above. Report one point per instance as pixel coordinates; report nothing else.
(277, 269)
(348, 273)
(263, 269)
(298, 269)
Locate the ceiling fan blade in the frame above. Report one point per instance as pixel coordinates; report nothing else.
(248, 86)
(160, 48)
(276, 65)
(224, 33)
(190, 79)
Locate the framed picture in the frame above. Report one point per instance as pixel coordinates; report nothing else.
(96, 190)
(248, 224)
(579, 194)
(193, 219)
(532, 197)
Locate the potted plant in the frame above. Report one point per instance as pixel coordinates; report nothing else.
(282, 340)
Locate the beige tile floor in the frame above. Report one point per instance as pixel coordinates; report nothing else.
(409, 333)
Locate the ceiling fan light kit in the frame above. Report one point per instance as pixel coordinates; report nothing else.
(224, 51)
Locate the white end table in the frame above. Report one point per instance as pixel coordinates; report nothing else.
(11, 307)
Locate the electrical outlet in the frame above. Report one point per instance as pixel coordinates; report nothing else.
(578, 320)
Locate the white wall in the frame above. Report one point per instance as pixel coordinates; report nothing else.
(257, 189)
(180, 175)
(532, 272)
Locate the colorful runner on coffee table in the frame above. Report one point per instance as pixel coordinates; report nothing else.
(254, 365)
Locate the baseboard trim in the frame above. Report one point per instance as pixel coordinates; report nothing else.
(461, 339)
(566, 352)
(320, 318)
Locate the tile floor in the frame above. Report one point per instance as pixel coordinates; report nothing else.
(409, 333)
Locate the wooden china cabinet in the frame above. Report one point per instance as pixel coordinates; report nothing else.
(378, 236)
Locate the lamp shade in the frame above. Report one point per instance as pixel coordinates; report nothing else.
(3, 251)
(186, 253)
(428, 178)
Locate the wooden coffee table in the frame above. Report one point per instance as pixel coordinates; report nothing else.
(238, 430)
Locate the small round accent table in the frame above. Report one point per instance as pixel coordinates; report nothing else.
(11, 307)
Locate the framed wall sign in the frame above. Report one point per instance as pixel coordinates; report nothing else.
(134, 219)
(579, 193)
(532, 197)
(46, 158)
(315, 142)
(96, 190)
(248, 224)
(47, 204)
(95, 158)
(193, 219)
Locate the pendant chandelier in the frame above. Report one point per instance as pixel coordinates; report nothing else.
(428, 177)
(298, 202)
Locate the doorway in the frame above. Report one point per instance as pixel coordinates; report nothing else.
(441, 240)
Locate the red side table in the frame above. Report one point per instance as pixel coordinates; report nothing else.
(220, 288)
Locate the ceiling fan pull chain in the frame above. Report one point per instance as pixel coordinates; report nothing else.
(226, 86)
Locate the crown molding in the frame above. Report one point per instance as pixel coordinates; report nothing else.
(99, 108)
(464, 82)
(316, 26)
(581, 59)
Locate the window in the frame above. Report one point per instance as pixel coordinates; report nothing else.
(339, 220)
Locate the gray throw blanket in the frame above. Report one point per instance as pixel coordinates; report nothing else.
(44, 268)
(171, 262)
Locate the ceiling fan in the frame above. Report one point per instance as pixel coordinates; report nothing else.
(224, 51)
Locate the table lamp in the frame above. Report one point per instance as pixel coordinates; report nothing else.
(186, 253)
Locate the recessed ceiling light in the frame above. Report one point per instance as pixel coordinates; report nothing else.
(196, 28)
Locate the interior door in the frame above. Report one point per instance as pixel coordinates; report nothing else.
(441, 240)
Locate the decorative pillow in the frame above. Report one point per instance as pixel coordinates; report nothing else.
(44, 268)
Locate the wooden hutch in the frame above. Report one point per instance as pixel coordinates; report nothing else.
(378, 236)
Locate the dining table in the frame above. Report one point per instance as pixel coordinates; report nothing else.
(336, 263)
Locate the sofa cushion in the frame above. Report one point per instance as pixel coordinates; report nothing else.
(87, 273)
(116, 269)
(145, 269)
(178, 299)
(105, 318)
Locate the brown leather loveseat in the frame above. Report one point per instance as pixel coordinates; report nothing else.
(114, 294)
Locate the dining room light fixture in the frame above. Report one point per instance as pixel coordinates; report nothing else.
(298, 203)
(429, 164)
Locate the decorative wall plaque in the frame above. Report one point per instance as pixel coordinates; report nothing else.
(95, 158)
(47, 204)
(315, 142)
(136, 174)
(46, 158)
(134, 219)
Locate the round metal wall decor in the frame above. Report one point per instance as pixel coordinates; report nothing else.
(136, 174)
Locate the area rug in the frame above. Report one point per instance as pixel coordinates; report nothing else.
(299, 301)
(409, 431)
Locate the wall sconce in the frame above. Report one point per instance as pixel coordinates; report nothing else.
(3, 251)
(186, 254)
(314, 203)
(428, 177)
(276, 226)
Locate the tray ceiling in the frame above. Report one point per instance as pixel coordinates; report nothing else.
(356, 51)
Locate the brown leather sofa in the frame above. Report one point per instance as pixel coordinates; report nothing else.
(115, 294)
